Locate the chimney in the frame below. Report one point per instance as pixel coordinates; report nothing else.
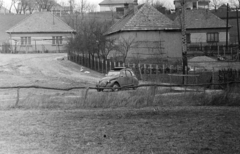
(135, 6)
(126, 8)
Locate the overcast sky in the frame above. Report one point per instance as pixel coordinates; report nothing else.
(96, 2)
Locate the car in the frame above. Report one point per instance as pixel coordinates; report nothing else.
(117, 78)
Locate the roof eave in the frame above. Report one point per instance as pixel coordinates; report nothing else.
(162, 29)
(41, 32)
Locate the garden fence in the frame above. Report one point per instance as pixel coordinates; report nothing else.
(146, 72)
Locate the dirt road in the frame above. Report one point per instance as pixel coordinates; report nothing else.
(51, 70)
(42, 69)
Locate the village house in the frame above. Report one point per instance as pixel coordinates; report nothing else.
(204, 28)
(114, 5)
(40, 32)
(221, 12)
(148, 34)
(193, 4)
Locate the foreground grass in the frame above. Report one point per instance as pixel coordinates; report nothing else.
(127, 122)
(140, 98)
(149, 131)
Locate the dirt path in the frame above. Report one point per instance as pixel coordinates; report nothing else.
(42, 69)
(50, 70)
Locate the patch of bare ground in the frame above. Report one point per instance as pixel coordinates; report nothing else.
(161, 130)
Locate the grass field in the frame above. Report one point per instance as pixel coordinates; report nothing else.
(165, 130)
(119, 123)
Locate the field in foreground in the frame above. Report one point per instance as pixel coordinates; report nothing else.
(160, 130)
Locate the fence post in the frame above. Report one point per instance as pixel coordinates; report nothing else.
(157, 72)
(17, 101)
(106, 66)
(140, 71)
(213, 78)
(85, 96)
(110, 65)
(98, 63)
(144, 71)
(150, 67)
(218, 50)
(102, 66)
(114, 64)
(163, 69)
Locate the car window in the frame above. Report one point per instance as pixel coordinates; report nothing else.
(128, 73)
(113, 73)
(122, 73)
(132, 73)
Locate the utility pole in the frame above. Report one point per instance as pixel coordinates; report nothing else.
(238, 29)
(184, 42)
(227, 30)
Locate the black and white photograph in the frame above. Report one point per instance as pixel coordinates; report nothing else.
(119, 77)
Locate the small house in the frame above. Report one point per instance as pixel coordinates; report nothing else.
(40, 32)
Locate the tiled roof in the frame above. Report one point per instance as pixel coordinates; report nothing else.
(7, 21)
(112, 2)
(147, 18)
(41, 22)
(201, 19)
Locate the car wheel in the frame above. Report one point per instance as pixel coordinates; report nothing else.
(115, 87)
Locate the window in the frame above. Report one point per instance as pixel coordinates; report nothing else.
(188, 38)
(57, 40)
(122, 73)
(194, 5)
(212, 37)
(128, 73)
(25, 40)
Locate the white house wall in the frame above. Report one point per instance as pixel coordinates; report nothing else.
(202, 37)
(109, 7)
(39, 42)
(170, 42)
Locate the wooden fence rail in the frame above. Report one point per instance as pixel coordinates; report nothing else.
(124, 87)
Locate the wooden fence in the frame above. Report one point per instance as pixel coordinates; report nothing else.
(146, 72)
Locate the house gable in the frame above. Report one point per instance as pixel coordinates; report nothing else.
(115, 2)
(41, 22)
(201, 19)
(146, 18)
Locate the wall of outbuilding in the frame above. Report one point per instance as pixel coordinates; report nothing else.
(152, 44)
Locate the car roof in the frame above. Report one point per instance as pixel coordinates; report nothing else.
(119, 68)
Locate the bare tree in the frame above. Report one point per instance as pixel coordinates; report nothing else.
(160, 6)
(13, 4)
(216, 4)
(45, 4)
(1, 4)
(124, 46)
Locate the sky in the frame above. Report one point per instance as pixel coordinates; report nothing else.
(96, 2)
